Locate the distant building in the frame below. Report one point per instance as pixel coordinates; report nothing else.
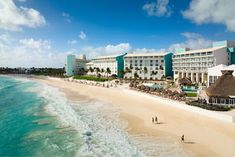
(215, 72)
(194, 64)
(153, 66)
(75, 65)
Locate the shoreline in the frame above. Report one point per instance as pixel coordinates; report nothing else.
(204, 136)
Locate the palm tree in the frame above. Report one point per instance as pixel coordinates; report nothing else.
(98, 70)
(108, 71)
(145, 70)
(136, 75)
(91, 69)
(127, 70)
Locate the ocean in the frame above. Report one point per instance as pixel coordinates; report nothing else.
(37, 120)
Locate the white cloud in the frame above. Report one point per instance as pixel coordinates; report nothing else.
(158, 8)
(13, 18)
(67, 17)
(193, 41)
(22, 0)
(30, 53)
(82, 35)
(107, 50)
(212, 11)
(5, 37)
(145, 50)
(64, 14)
(72, 42)
(36, 44)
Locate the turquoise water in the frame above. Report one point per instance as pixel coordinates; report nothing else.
(36, 120)
(25, 128)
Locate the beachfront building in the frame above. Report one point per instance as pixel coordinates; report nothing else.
(194, 64)
(215, 72)
(151, 66)
(75, 65)
(222, 92)
(107, 66)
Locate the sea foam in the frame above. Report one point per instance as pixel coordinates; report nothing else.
(100, 132)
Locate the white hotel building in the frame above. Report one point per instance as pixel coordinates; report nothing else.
(114, 63)
(103, 63)
(151, 66)
(194, 64)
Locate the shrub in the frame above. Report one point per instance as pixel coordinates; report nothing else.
(209, 106)
(91, 78)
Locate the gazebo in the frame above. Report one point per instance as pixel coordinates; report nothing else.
(222, 92)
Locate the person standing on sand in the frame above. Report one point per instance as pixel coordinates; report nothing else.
(152, 119)
(156, 121)
(182, 138)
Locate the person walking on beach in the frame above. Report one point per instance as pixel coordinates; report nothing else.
(156, 120)
(182, 138)
(152, 119)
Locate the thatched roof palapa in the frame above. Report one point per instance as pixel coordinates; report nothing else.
(185, 81)
(224, 86)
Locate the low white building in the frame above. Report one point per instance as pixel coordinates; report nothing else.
(215, 72)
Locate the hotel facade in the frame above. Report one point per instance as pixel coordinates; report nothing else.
(151, 66)
(107, 65)
(194, 64)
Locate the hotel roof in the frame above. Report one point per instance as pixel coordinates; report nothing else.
(105, 57)
(146, 54)
(200, 50)
(133, 55)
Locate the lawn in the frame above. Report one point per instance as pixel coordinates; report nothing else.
(91, 78)
(191, 94)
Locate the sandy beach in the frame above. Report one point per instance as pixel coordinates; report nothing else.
(204, 136)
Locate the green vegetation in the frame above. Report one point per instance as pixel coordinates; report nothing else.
(55, 72)
(91, 78)
(206, 106)
(191, 94)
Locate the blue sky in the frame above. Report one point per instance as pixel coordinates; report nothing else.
(53, 28)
